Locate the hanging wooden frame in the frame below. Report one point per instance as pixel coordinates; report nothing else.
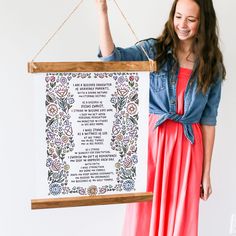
(121, 66)
(127, 66)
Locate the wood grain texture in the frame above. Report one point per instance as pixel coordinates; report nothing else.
(90, 200)
(111, 66)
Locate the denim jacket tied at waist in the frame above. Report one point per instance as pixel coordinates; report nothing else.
(198, 107)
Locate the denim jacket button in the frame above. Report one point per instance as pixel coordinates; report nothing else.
(172, 101)
(172, 81)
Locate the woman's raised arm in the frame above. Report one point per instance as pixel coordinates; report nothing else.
(105, 38)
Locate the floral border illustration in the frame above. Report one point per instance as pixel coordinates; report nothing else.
(59, 133)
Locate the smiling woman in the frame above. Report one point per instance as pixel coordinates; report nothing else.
(186, 20)
(184, 99)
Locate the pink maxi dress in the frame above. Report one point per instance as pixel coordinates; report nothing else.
(174, 177)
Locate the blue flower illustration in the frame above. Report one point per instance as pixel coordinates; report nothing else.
(128, 185)
(70, 100)
(135, 159)
(48, 162)
(55, 189)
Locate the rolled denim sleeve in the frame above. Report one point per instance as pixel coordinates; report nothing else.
(211, 109)
(134, 53)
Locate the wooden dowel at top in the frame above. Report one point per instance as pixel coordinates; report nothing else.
(111, 66)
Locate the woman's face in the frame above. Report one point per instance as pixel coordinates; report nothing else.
(186, 20)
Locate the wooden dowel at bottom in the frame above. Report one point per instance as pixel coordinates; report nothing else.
(90, 200)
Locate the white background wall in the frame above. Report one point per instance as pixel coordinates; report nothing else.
(24, 26)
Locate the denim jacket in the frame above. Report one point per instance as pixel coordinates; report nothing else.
(198, 107)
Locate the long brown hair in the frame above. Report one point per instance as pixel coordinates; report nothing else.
(205, 45)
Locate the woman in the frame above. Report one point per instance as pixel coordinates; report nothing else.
(184, 98)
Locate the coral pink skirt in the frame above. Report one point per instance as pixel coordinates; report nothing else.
(174, 177)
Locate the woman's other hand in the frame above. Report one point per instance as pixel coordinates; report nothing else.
(206, 189)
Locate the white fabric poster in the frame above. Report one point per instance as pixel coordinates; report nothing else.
(90, 133)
